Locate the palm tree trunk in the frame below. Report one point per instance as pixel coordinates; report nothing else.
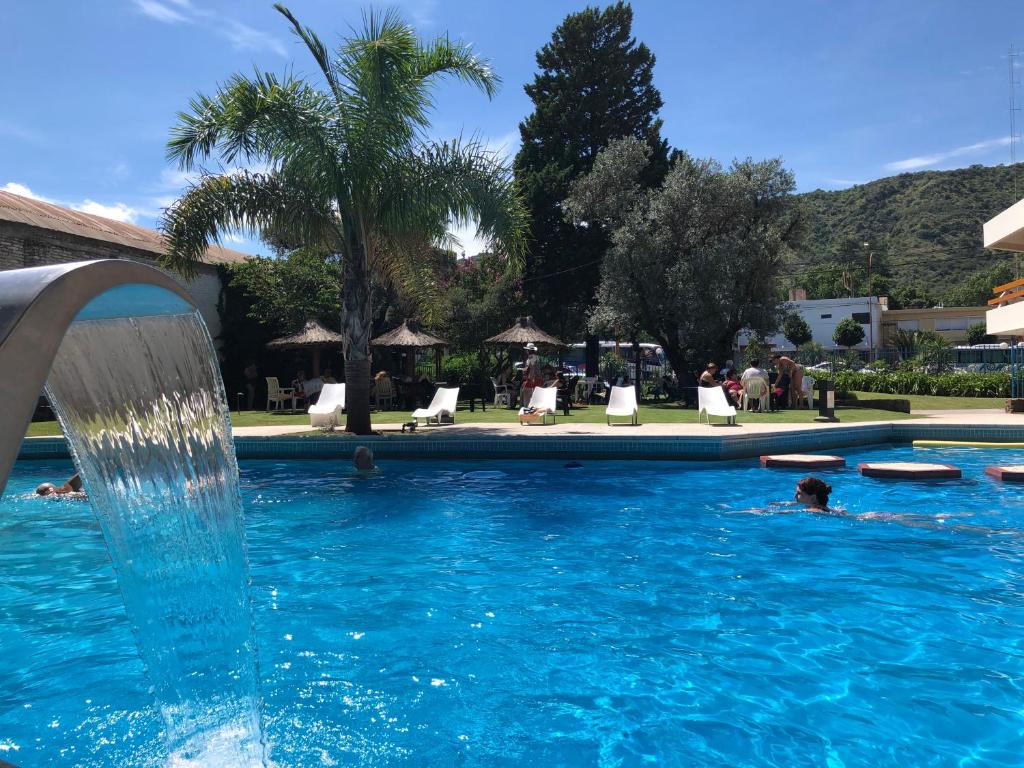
(356, 324)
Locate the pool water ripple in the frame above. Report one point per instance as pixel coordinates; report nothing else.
(510, 613)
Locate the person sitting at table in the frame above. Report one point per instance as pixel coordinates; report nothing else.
(299, 386)
(709, 378)
(733, 388)
(328, 377)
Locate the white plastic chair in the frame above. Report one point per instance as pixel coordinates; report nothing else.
(502, 393)
(711, 402)
(808, 389)
(443, 403)
(544, 401)
(326, 412)
(277, 394)
(622, 402)
(755, 388)
(588, 387)
(385, 393)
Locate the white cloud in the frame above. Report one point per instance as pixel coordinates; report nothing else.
(241, 36)
(161, 12)
(245, 38)
(20, 189)
(172, 177)
(925, 161)
(117, 211)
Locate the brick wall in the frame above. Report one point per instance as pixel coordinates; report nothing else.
(25, 246)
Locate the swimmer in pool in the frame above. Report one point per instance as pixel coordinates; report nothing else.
(363, 459)
(813, 493)
(72, 486)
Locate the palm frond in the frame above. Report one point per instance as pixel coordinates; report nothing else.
(443, 57)
(316, 48)
(461, 183)
(246, 202)
(263, 117)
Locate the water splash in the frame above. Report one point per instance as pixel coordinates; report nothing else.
(142, 404)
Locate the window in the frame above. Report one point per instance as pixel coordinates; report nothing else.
(951, 324)
(861, 317)
(826, 317)
(907, 325)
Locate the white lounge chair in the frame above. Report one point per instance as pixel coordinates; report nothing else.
(755, 388)
(622, 402)
(544, 402)
(278, 395)
(443, 403)
(326, 412)
(711, 402)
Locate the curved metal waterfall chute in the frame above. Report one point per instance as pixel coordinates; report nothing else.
(37, 306)
(131, 373)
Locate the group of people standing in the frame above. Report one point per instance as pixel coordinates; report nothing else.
(785, 384)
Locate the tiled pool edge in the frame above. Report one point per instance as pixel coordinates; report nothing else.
(490, 446)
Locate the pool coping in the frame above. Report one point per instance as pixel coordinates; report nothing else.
(491, 445)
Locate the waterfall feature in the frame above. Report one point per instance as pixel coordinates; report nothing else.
(140, 398)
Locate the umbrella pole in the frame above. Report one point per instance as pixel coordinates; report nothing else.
(437, 364)
(316, 362)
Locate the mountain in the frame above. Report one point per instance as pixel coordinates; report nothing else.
(924, 231)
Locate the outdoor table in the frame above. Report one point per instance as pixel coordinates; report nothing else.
(474, 392)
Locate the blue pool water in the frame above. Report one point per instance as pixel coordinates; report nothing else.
(523, 613)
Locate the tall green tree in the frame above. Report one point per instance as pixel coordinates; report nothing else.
(349, 169)
(848, 333)
(697, 259)
(595, 84)
(796, 329)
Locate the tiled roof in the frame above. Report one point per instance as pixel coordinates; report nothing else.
(36, 213)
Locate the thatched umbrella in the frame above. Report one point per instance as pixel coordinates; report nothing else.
(409, 335)
(313, 337)
(525, 331)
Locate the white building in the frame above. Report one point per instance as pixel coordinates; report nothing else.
(1006, 232)
(823, 315)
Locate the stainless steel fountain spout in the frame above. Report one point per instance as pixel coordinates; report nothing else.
(38, 305)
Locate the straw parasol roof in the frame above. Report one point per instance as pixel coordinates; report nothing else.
(525, 331)
(311, 336)
(408, 334)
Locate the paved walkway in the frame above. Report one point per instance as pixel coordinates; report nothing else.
(966, 417)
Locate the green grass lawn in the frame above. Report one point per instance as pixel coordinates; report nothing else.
(935, 402)
(661, 413)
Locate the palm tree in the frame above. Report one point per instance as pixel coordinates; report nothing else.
(347, 169)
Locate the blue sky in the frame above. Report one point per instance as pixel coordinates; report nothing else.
(843, 92)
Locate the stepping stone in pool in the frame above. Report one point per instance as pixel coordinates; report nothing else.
(1010, 474)
(909, 470)
(802, 461)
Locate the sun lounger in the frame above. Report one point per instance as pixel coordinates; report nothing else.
(543, 403)
(443, 403)
(622, 402)
(711, 402)
(326, 412)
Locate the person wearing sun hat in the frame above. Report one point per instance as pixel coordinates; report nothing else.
(531, 373)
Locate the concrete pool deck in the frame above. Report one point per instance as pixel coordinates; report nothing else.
(696, 442)
(966, 417)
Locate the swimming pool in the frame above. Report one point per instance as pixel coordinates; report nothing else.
(508, 613)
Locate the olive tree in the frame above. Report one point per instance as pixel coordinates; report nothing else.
(696, 259)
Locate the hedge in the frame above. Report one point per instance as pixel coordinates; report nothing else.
(916, 383)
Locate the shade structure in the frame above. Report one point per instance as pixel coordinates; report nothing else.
(409, 335)
(313, 337)
(525, 331)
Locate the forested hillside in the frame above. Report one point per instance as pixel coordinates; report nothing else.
(923, 232)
